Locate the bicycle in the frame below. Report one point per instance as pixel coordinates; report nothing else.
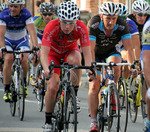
(136, 96)
(65, 111)
(17, 86)
(107, 117)
(40, 88)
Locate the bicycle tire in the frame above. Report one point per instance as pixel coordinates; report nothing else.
(40, 92)
(13, 99)
(70, 110)
(133, 109)
(21, 95)
(123, 98)
(114, 118)
(143, 102)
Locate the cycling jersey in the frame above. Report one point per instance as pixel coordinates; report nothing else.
(59, 42)
(16, 27)
(40, 25)
(104, 44)
(140, 27)
(132, 29)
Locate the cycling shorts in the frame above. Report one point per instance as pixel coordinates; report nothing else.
(57, 58)
(22, 43)
(105, 57)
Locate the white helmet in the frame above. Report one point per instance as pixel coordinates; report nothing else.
(123, 9)
(140, 6)
(68, 11)
(46, 7)
(109, 8)
(20, 2)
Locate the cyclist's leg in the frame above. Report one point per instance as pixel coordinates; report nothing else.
(116, 58)
(8, 60)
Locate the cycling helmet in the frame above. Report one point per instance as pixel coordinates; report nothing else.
(68, 11)
(109, 8)
(46, 7)
(123, 9)
(140, 6)
(20, 2)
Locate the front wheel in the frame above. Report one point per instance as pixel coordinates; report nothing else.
(113, 107)
(70, 111)
(21, 95)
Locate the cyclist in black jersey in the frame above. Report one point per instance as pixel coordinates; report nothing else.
(105, 31)
(140, 14)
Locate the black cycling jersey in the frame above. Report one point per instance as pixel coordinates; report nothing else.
(140, 27)
(105, 44)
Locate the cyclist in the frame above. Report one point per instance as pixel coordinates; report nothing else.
(60, 41)
(14, 21)
(134, 36)
(140, 14)
(146, 64)
(40, 22)
(105, 31)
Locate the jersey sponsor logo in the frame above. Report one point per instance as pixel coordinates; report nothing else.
(95, 25)
(146, 40)
(147, 30)
(121, 27)
(46, 36)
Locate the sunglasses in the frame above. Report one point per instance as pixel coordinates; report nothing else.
(47, 14)
(123, 17)
(68, 23)
(142, 14)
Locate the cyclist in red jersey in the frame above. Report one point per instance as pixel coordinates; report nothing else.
(60, 41)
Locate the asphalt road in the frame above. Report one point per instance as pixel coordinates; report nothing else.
(34, 120)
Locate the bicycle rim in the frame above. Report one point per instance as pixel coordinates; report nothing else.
(143, 102)
(13, 99)
(123, 98)
(114, 118)
(21, 96)
(133, 109)
(70, 111)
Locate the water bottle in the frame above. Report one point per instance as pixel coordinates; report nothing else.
(103, 93)
(62, 99)
(137, 81)
(31, 56)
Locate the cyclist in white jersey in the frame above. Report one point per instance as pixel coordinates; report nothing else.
(14, 23)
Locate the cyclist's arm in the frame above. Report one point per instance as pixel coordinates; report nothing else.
(33, 36)
(92, 45)
(2, 35)
(146, 65)
(136, 46)
(44, 59)
(128, 46)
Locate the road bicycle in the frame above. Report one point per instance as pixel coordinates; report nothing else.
(65, 111)
(17, 86)
(136, 96)
(40, 88)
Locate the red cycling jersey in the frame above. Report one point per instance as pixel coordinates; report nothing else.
(59, 42)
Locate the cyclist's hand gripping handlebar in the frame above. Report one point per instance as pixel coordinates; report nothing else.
(92, 68)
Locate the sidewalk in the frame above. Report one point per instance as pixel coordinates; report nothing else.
(84, 80)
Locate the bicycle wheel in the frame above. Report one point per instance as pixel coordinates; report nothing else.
(133, 109)
(70, 111)
(21, 95)
(13, 98)
(40, 92)
(143, 102)
(123, 98)
(114, 109)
